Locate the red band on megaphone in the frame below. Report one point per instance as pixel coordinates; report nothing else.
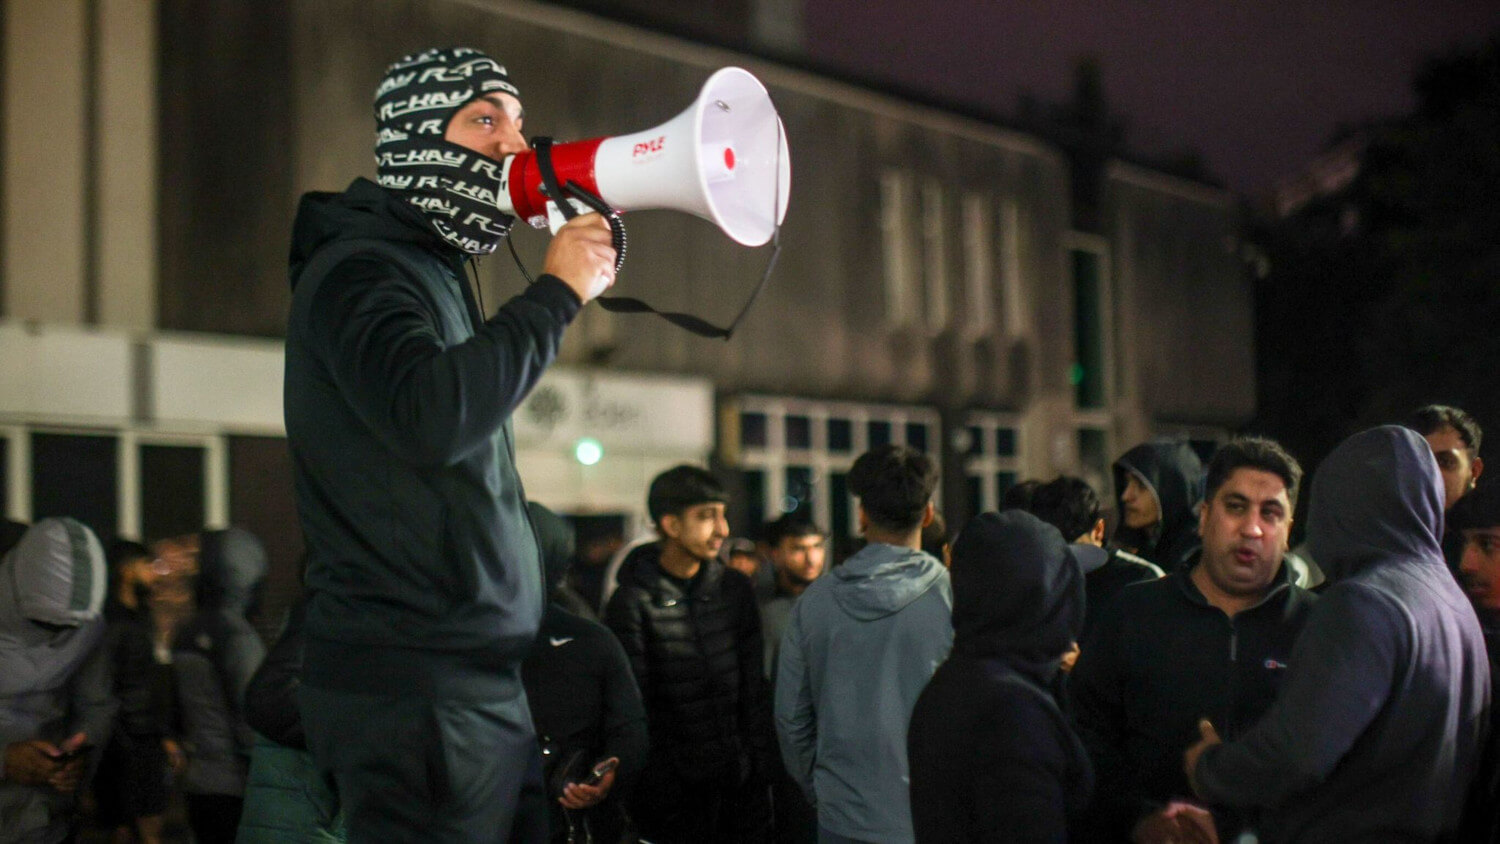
(574, 162)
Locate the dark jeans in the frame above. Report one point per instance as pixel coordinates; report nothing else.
(214, 818)
(670, 810)
(418, 769)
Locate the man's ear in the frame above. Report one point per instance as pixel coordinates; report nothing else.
(1202, 518)
(864, 521)
(1097, 534)
(928, 514)
(1475, 470)
(670, 526)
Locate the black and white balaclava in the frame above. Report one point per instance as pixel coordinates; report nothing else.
(455, 187)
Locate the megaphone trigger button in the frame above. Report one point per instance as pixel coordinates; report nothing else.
(721, 105)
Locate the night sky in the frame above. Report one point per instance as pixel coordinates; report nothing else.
(1256, 87)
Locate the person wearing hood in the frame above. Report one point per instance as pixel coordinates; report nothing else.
(1158, 487)
(56, 705)
(993, 756)
(1476, 519)
(1212, 640)
(861, 643)
(424, 577)
(585, 705)
(1071, 505)
(1375, 733)
(215, 653)
(691, 629)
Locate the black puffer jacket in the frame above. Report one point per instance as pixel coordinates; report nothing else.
(695, 649)
(1171, 470)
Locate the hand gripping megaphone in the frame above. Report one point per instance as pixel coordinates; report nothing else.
(723, 159)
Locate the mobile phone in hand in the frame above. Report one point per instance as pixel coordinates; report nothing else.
(601, 770)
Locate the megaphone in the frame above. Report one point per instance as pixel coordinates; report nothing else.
(724, 159)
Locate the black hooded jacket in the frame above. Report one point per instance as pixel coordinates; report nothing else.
(992, 755)
(695, 649)
(1171, 470)
(1160, 658)
(1375, 734)
(423, 571)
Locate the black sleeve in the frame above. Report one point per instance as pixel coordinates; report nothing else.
(624, 713)
(623, 617)
(1020, 794)
(755, 701)
(379, 335)
(271, 699)
(1097, 688)
(140, 713)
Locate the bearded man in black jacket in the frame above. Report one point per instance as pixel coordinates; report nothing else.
(1211, 640)
(692, 631)
(423, 578)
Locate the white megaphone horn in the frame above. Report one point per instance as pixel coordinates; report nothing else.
(724, 159)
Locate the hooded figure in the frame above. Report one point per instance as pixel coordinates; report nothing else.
(585, 704)
(993, 757)
(861, 643)
(54, 676)
(1173, 475)
(1375, 734)
(214, 656)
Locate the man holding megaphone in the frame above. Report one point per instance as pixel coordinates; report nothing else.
(424, 576)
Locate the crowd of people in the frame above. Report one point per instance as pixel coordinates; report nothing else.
(1190, 679)
(1032, 680)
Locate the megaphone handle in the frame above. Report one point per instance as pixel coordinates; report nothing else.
(572, 201)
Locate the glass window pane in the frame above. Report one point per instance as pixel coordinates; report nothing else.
(1005, 442)
(916, 436)
(755, 500)
(73, 475)
(840, 435)
(1088, 330)
(840, 509)
(798, 432)
(880, 434)
(172, 501)
(1093, 457)
(1003, 482)
(976, 494)
(976, 441)
(798, 497)
(753, 430)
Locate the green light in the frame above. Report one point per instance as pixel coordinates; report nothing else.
(1075, 374)
(588, 451)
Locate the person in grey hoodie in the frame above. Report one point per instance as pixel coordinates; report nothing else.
(55, 701)
(859, 648)
(214, 656)
(1375, 734)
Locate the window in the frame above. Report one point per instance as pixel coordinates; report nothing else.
(935, 256)
(1012, 286)
(979, 265)
(898, 248)
(753, 430)
(171, 490)
(1094, 459)
(992, 464)
(1091, 328)
(76, 475)
(806, 471)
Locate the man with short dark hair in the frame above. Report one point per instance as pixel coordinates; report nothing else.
(797, 556)
(860, 646)
(1374, 734)
(1210, 640)
(691, 629)
(1071, 505)
(1454, 437)
(1476, 519)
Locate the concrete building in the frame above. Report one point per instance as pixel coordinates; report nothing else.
(931, 287)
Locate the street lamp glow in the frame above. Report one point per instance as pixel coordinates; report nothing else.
(588, 451)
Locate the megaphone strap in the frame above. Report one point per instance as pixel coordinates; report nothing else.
(542, 146)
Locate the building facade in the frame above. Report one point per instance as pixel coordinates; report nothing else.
(930, 288)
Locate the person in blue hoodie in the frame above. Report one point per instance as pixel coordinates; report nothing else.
(1376, 731)
(861, 644)
(424, 578)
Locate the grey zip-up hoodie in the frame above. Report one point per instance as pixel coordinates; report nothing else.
(1375, 734)
(860, 646)
(54, 676)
